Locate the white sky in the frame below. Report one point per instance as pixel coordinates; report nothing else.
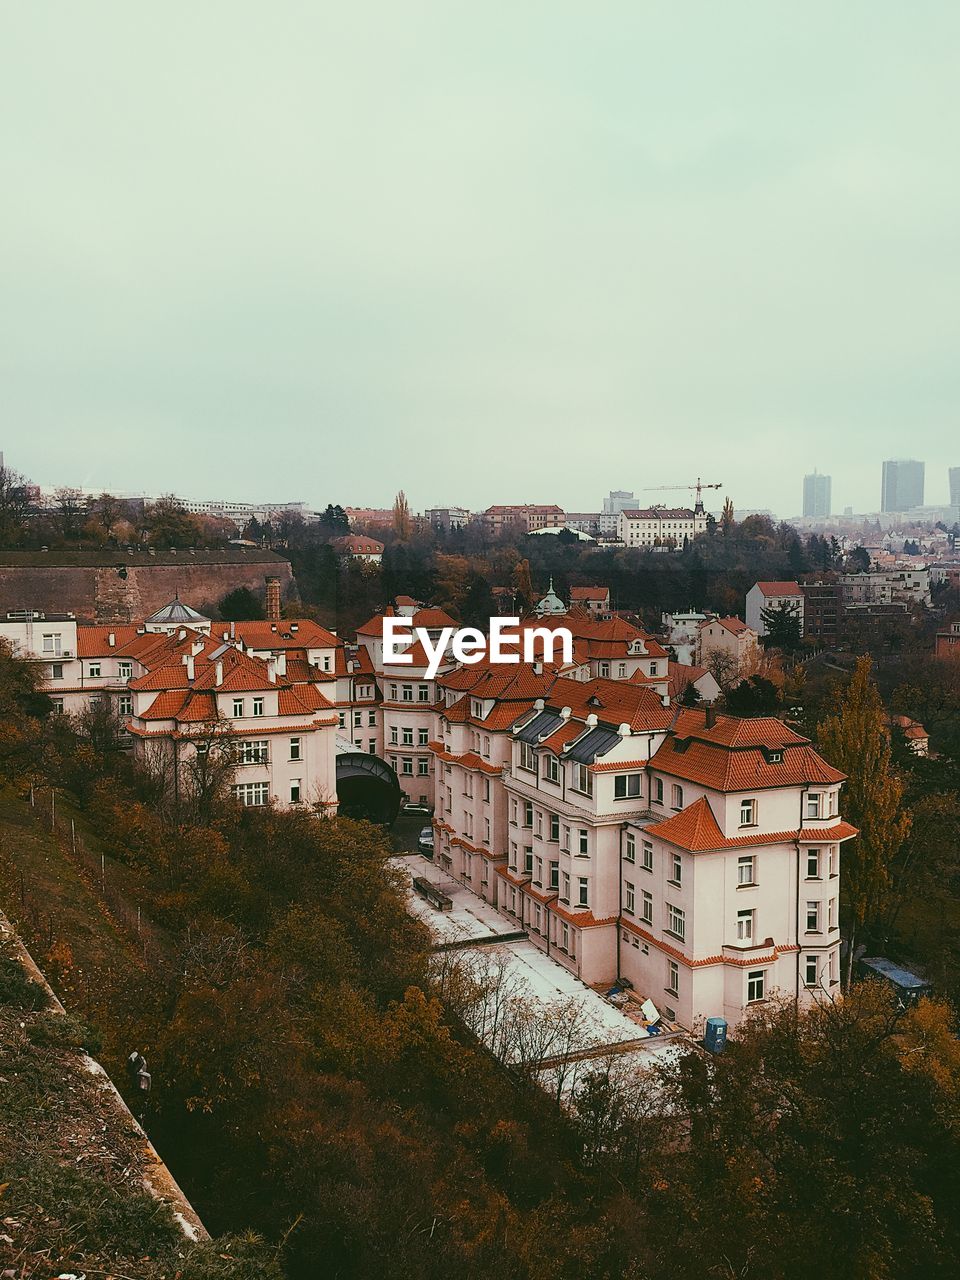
(488, 252)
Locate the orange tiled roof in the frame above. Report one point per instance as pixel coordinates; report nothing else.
(697, 830)
(93, 639)
(261, 635)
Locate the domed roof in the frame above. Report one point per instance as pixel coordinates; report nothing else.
(177, 614)
(550, 604)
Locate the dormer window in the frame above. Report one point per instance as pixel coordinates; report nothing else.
(748, 813)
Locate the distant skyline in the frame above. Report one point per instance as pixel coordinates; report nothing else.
(494, 253)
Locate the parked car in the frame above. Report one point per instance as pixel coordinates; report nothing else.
(418, 808)
(425, 841)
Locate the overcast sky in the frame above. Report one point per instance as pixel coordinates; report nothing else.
(498, 251)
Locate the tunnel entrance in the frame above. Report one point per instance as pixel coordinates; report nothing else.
(367, 788)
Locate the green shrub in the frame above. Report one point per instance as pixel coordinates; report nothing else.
(16, 989)
(53, 1030)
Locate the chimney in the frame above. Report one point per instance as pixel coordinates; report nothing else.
(273, 599)
(218, 668)
(272, 670)
(111, 639)
(188, 659)
(233, 631)
(294, 628)
(710, 716)
(182, 634)
(281, 664)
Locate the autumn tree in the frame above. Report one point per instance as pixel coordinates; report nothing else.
(523, 586)
(726, 517)
(402, 520)
(857, 741)
(14, 505)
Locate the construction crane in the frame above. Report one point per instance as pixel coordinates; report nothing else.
(698, 487)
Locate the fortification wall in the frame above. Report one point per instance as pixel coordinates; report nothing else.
(101, 593)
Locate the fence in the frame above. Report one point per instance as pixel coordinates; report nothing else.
(99, 874)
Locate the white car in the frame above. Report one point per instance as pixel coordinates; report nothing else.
(425, 841)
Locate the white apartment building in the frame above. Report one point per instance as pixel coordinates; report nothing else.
(730, 636)
(696, 856)
(772, 595)
(665, 527)
(178, 689)
(887, 586)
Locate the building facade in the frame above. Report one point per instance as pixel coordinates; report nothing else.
(660, 527)
(816, 496)
(772, 595)
(902, 484)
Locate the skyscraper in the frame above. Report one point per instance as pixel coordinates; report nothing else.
(816, 495)
(954, 474)
(902, 484)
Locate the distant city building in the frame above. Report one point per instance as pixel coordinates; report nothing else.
(358, 546)
(954, 475)
(447, 518)
(948, 641)
(528, 516)
(660, 526)
(382, 516)
(773, 595)
(902, 485)
(617, 500)
(822, 610)
(816, 495)
(584, 521)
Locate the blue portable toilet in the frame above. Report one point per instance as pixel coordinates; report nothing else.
(715, 1036)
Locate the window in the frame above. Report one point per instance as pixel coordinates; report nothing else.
(813, 805)
(755, 984)
(565, 895)
(295, 749)
(407, 736)
(630, 848)
(629, 897)
(831, 913)
(258, 706)
(658, 791)
(372, 746)
(237, 708)
(528, 760)
(357, 719)
(646, 914)
(486, 789)
(393, 693)
(583, 840)
(551, 769)
(647, 862)
(746, 870)
(554, 827)
(748, 813)
(810, 971)
(621, 671)
(676, 794)
(252, 794)
(582, 891)
(528, 813)
(423, 766)
(554, 875)
(745, 926)
(57, 704)
(582, 779)
(125, 704)
(371, 719)
(528, 859)
(626, 785)
(252, 752)
(676, 921)
(407, 693)
(294, 790)
(423, 737)
(423, 693)
(56, 671)
(341, 719)
(813, 864)
(832, 861)
(51, 644)
(813, 917)
(394, 735)
(676, 874)
(94, 669)
(673, 977)
(406, 766)
(538, 871)
(125, 670)
(564, 937)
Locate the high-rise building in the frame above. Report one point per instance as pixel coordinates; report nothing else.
(816, 495)
(954, 474)
(902, 487)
